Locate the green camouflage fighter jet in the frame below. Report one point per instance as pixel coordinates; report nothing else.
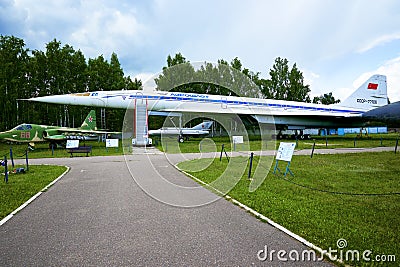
(33, 133)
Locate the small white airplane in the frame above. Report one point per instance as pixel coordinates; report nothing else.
(201, 129)
(283, 114)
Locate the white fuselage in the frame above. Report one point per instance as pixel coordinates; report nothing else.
(176, 131)
(263, 110)
(189, 102)
(370, 95)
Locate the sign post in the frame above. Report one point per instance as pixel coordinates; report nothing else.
(285, 153)
(72, 144)
(112, 143)
(237, 140)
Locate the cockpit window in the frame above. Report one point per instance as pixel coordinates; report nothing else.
(23, 127)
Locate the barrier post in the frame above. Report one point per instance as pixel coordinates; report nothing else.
(326, 140)
(226, 155)
(312, 150)
(355, 141)
(5, 170)
(26, 159)
(397, 143)
(251, 164)
(11, 157)
(223, 151)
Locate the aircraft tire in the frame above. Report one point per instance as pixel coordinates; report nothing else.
(181, 139)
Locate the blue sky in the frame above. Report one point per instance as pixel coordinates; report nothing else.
(337, 44)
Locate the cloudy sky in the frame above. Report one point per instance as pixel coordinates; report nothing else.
(337, 44)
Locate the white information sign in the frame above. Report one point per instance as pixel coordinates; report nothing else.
(72, 143)
(285, 151)
(237, 139)
(112, 143)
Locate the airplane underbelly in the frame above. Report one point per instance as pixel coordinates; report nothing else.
(315, 121)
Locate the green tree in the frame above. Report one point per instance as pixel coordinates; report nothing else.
(58, 70)
(285, 83)
(243, 81)
(136, 84)
(116, 74)
(176, 60)
(97, 74)
(13, 81)
(224, 79)
(104, 75)
(176, 78)
(114, 117)
(326, 99)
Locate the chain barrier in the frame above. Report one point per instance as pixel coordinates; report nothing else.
(12, 156)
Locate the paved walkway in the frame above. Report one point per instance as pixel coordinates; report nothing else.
(112, 211)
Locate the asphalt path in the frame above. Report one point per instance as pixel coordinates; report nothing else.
(118, 211)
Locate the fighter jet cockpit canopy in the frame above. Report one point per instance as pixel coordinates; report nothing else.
(23, 127)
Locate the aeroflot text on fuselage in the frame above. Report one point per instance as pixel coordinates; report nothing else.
(189, 95)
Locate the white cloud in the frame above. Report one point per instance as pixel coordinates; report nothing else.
(317, 35)
(106, 30)
(311, 78)
(381, 40)
(144, 76)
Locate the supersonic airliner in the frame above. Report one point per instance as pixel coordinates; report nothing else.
(283, 114)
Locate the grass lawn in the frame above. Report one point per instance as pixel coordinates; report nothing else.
(21, 187)
(330, 197)
(195, 145)
(42, 150)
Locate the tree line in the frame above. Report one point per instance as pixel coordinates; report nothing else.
(57, 70)
(61, 69)
(285, 82)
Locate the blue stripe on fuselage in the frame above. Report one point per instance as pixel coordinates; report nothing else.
(230, 102)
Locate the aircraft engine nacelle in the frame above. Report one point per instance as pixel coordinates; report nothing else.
(50, 132)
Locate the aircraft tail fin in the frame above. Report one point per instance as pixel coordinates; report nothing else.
(371, 94)
(205, 125)
(90, 121)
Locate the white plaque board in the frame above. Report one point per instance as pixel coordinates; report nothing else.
(72, 143)
(285, 151)
(112, 143)
(237, 139)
